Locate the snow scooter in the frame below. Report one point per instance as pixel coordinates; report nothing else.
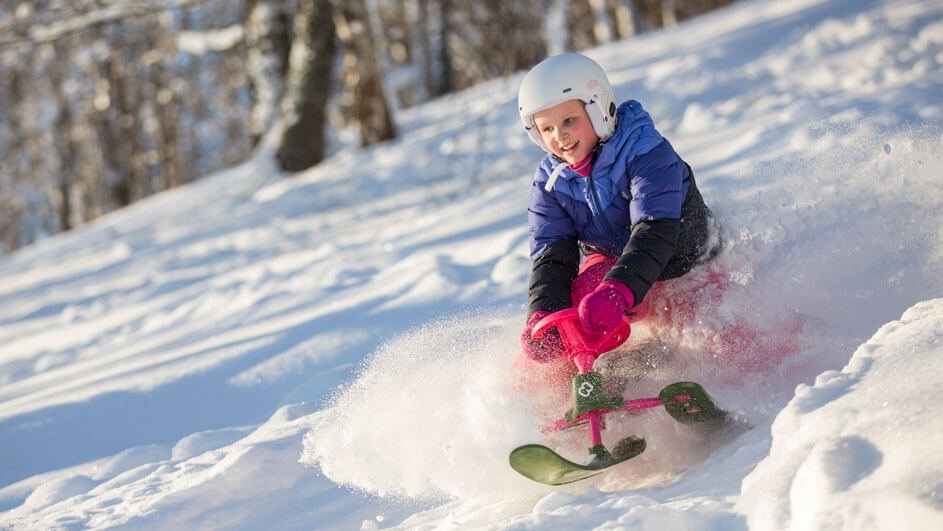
(686, 402)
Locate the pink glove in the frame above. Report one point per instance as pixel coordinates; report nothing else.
(548, 347)
(603, 310)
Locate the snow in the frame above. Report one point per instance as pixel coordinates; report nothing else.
(856, 449)
(202, 42)
(338, 349)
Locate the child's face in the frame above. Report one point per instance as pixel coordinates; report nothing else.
(567, 131)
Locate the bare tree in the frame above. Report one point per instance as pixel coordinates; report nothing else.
(67, 153)
(168, 105)
(364, 93)
(29, 25)
(12, 94)
(118, 133)
(426, 33)
(626, 17)
(308, 86)
(669, 15)
(491, 38)
(268, 38)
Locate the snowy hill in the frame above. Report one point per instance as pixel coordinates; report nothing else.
(338, 350)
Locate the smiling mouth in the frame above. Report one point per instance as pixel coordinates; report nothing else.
(569, 148)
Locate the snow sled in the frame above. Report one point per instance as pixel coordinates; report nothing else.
(685, 402)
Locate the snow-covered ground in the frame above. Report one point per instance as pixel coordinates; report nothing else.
(338, 350)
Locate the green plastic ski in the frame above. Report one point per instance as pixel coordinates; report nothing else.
(686, 402)
(689, 403)
(541, 464)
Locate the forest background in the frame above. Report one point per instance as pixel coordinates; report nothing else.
(105, 102)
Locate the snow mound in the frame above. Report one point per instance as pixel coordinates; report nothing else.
(850, 451)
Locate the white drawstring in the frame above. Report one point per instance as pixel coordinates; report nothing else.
(554, 174)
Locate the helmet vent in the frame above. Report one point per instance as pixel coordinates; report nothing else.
(568, 89)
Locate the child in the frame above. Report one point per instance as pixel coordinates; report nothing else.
(611, 189)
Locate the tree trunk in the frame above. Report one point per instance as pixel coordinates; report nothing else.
(304, 106)
(68, 151)
(363, 83)
(444, 59)
(581, 21)
(669, 15)
(268, 39)
(474, 28)
(626, 16)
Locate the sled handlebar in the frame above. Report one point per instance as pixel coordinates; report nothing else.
(581, 345)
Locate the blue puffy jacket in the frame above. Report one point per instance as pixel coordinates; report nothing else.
(639, 203)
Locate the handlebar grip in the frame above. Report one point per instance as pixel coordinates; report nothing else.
(576, 339)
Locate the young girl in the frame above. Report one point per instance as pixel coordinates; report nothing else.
(613, 207)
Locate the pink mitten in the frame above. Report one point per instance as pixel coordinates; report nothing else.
(602, 311)
(548, 347)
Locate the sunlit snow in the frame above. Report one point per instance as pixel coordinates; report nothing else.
(338, 349)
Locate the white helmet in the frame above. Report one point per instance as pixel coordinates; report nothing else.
(568, 76)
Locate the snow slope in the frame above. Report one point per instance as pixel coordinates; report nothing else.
(338, 350)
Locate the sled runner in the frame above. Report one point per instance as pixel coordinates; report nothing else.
(686, 402)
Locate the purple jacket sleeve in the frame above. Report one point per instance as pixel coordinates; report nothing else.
(658, 185)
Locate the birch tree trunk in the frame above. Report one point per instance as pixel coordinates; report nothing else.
(304, 107)
(268, 39)
(364, 92)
